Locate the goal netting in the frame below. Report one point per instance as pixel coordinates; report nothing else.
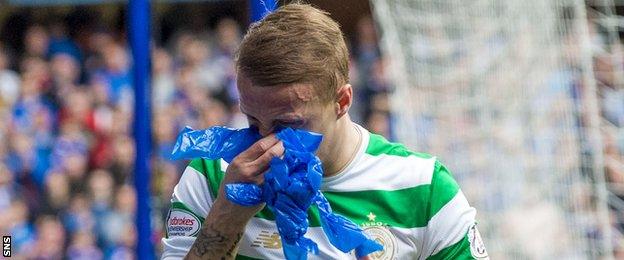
(505, 94)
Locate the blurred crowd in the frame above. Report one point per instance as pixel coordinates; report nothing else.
(66, 144)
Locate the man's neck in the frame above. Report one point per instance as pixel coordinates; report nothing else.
(343, 148)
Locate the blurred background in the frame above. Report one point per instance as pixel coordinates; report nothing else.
(522, 100)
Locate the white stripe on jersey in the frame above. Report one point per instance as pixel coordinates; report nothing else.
(193, 191)
(379, 173)
(175, 248)
(449, 225)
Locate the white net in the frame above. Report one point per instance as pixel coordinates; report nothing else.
(504, 92)
(606, 31)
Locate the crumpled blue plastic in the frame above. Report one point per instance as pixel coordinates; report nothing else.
(291, 186)
(214, 143)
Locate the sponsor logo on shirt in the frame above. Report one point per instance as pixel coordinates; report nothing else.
(378, 231)
(267, 240)
(477, 247)
(181, 222)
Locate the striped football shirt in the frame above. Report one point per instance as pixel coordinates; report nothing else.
(406, 201)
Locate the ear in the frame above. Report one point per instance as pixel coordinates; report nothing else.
(344, 98)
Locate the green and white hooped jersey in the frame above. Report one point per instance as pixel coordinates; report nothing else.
(407, 201)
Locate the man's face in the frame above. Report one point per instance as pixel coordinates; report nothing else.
(295, 106)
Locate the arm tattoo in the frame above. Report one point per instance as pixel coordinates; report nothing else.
(231, 252)
(214, 244)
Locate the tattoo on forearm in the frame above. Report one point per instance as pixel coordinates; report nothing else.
(231, 251)
(213, 244)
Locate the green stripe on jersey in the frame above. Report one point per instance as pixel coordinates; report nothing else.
(405, 208)
(443, 188)
(211, 169)
(388, 207)
(378, 145)
(460, 250)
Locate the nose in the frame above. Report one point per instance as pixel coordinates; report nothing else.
(262, 130)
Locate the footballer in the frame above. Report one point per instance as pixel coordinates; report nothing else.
(292, 71)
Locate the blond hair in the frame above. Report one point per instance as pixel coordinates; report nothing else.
(295, 44)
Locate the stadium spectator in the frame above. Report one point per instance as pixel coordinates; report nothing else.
(82, 246)
(36, 41)
(49, 241)
(19, 226)
(9, 80)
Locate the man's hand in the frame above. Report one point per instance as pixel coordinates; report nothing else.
(250, 165)
(226, 221)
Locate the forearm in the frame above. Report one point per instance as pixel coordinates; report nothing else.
(226, 221)
(220, 233)
(215, 242)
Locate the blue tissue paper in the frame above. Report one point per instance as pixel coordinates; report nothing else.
(291, 186)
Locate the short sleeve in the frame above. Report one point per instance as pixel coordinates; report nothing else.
(451, 231)
(191, 201)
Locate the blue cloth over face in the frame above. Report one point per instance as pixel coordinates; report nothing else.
(291, 186)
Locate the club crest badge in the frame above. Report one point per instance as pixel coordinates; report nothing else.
(379, 232)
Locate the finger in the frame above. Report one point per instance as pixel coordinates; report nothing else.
(258, 148)
(259, 179)
(263, 161)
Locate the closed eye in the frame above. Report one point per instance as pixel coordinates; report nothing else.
(292, 124)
